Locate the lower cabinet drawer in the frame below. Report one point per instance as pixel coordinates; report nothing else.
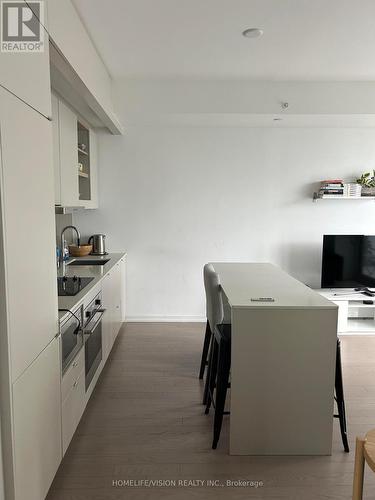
(72, 373)
(72, 410)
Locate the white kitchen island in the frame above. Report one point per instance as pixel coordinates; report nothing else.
(283, 362)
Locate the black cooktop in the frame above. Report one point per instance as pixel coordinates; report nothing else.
(71, 285)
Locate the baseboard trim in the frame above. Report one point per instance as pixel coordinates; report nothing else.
(166, 319)
(356, 334)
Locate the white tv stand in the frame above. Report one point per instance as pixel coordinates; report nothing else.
(354, 316)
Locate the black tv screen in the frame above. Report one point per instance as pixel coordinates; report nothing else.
(348, 261)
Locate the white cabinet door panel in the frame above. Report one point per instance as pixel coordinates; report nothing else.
(26, 185)
(27, 75)
(123, 289)
(66, 158)
(72, 410)
(117, 290)
(37, 425)
(72, 373)
(107, 324)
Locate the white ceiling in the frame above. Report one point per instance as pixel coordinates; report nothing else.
(201, 39)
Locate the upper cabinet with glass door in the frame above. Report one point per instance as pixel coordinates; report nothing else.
(75, 158)
(87, 166)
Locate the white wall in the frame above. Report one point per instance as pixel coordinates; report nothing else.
(177, 196)
(145, 98)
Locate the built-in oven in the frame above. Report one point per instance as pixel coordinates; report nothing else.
(93, 315)
(71, 336)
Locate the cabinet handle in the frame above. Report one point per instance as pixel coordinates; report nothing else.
(75, 384)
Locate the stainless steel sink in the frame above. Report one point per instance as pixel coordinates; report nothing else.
(88, 262)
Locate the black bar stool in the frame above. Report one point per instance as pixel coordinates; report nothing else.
(206, 346)
(219, 372)
(208, 271)
(215, 316)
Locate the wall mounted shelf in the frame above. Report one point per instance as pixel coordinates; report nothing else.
(316, 197)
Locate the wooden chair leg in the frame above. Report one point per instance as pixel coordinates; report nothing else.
(359, 465)
(206, 346)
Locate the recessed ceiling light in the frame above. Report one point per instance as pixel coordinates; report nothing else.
(252, 33)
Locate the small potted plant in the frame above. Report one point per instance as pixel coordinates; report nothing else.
(367, 181)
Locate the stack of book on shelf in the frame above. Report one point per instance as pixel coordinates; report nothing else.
(352, 189)
(336, 188)
(331, 188)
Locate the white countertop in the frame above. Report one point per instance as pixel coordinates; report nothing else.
(96, 272)
(243, 281)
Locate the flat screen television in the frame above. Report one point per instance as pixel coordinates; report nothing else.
(348, 261)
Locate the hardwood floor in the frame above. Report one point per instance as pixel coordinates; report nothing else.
(145, 421)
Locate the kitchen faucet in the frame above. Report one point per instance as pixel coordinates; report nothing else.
(62, 244)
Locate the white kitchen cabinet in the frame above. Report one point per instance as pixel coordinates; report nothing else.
(72, 408)
(119, 293)
(107, 323)
(72, 373)
(27, 75)
(68, 157)
(113, 290)
(26, 193)
(123, 289)
(117, 289)
(75, 158)
(37, 425)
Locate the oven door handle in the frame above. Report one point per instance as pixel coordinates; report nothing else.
(95, 320)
